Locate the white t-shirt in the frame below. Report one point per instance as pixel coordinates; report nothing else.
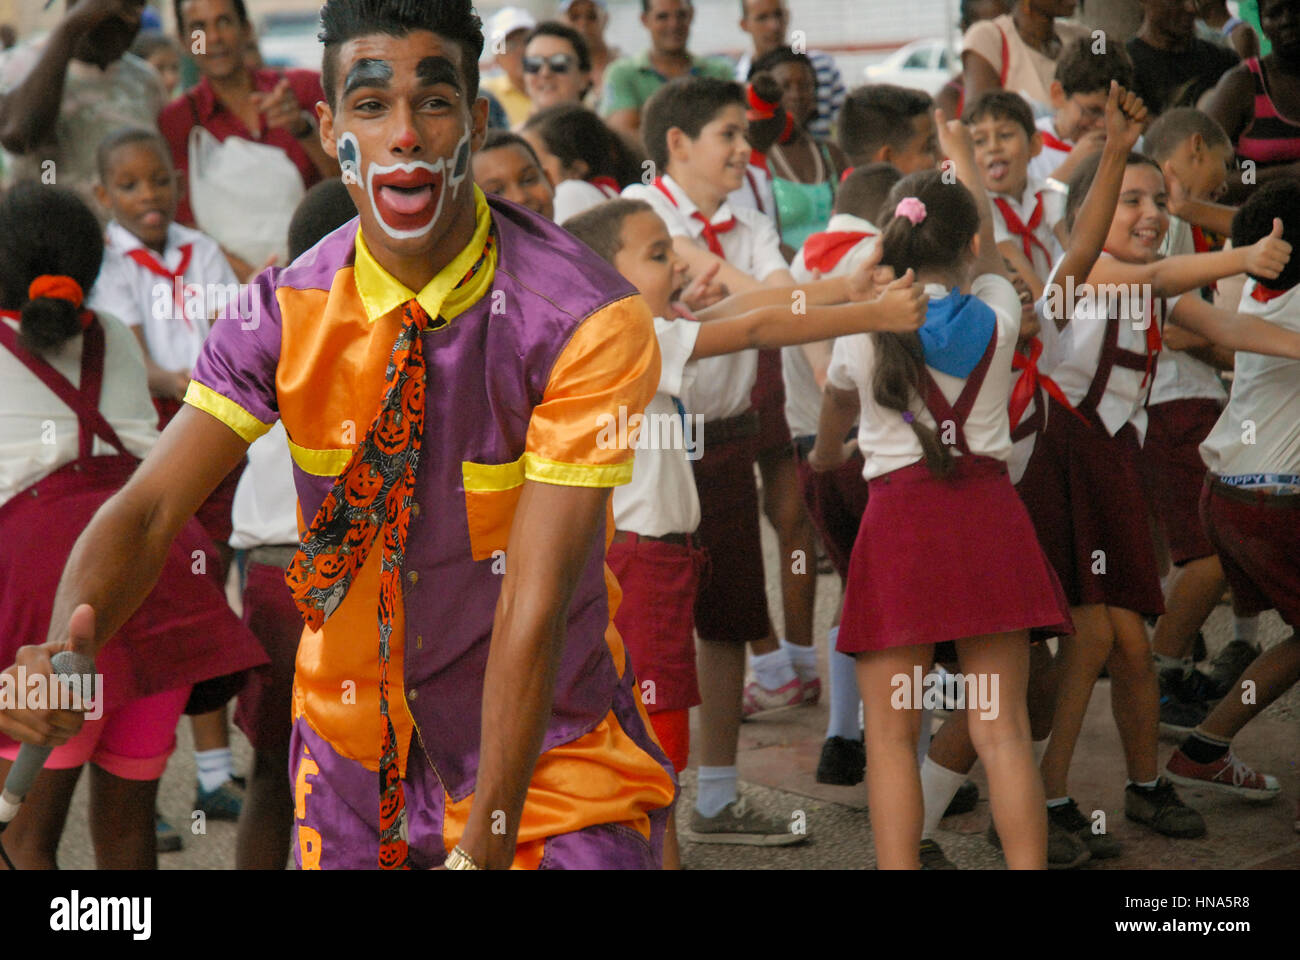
(755, 194)
(1049, 158)
(803, 398)
(1259, 431)
(723, 384)
(1080, 350)
(1050, 338)
(38, 431)
(662, 498)
(886, 441)
(265, 511)
(142, 298)
(1023, 207)
(573, 197)
(1181, 376)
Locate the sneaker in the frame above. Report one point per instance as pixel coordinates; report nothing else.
(1070, 819)
(812, 690)
(1229, 664)
(1065, 851)
(1178, 716)
(1161, 810)
(167, 837)
(738, 823)
(1199, 652)
(1226, 775)
(759, 699)
(843, 762)
(964, 800)
(932, 857)
(223, 803)
(1195, 687)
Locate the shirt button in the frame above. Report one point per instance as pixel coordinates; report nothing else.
(413, 576)
(415, 509)
(412, 694)
(419, 641)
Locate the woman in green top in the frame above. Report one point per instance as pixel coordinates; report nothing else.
(805, 170)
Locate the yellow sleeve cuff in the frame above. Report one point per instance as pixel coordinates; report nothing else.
(226, 410)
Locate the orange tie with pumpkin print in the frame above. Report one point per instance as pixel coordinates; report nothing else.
(373, 494)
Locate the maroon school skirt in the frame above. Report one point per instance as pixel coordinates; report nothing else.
(183, 633)
(1257, 536)
(942, 559)
(1174, 472)
(1083, 490)
(836, 500)
(656, 618)
(768, 398)
(264, 712)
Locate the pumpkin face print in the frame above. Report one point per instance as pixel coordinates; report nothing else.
(363, 485)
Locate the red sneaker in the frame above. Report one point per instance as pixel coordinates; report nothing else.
(1226, 775)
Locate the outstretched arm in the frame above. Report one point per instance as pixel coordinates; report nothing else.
(1236, 331)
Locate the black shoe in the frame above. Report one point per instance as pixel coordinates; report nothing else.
(1160, 809)
(1199, 652)
(1101, 846)
(843, 762)
(933, 858)
(1229, 664)
(167, 837)
(1177, 716)
(964, 800)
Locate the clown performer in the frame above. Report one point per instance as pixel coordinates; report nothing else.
(442, 366)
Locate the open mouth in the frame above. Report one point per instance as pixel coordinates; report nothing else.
(1148, 236)
(998, 169)
(408, 197)
(153, 218)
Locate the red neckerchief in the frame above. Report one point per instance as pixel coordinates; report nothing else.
(1264, 294)
(1025, 231)
(1027, 386)
(1153, 332)
(1056, 143)
(1201, 245)
(147, 260)
(711, 230)
(605, 183)
(822, 251)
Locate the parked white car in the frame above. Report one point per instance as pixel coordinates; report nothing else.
(922, 64)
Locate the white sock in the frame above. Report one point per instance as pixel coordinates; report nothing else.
(215, 767)
(1057, 802)
(803, 659)
(923, 741)
(717, 788)
(1184, 664)
(1149, 785)
(772, 670)
(844, 699)
(1040, 748)
(938, 786)
(1245, 629)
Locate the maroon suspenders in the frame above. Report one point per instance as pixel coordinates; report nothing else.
(956, 413)
(1112, 356)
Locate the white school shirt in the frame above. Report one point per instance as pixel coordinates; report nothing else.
(886, 441)
(1023, 206)
(265, 509)
(722, 384)
(1023, 449)
(1049, 158)
(141, 298)
(662, 499)
(31, 413)
(573, 197)
(755, 193)
(1125, 397)
(803, 398)
(1265, 402)
(1181, 376)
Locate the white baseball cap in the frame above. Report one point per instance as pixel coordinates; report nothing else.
(506, 21)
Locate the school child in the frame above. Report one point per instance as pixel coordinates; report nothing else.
(768, 123)
(1082, 486)
(1249, 503)
(964, 566)
(881, 123)
(75, 417)
(162, 53)
(1075, 129)
(1186, 400)
(694, 131)
(507, 166)
(587, 161)
(654, 553)
(167, 283)
(1025, 211)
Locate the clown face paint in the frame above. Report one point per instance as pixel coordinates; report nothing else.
(349, 159)
(407, 198)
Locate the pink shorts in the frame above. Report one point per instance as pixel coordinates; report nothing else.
(133, 742)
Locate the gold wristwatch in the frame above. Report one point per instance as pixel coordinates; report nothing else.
(458, 859)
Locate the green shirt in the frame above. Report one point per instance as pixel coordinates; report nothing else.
(630, 81)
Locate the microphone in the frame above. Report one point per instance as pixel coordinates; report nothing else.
(69, 668)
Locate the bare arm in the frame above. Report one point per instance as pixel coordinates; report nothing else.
(978, 75)
(840, 410)
(551, 540)
(1216, 217)
(955, 142)
(1236, 331)
(162, 383)
(626, 122)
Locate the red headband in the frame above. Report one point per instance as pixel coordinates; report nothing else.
(56, 287)
(759, 109)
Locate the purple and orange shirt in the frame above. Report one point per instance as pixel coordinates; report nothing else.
(539, 346)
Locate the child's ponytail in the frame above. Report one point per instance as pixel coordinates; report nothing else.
(51, 317)
(927, 224)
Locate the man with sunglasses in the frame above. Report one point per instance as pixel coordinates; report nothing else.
(506, 36)
(631, 81)
(557, 66)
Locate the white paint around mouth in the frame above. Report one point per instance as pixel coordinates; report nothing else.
(444, 166)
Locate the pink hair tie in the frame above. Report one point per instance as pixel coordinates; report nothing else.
(912, 208)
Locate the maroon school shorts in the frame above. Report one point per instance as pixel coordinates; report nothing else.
(1175, 473)
(1257, 536)
(835, 500)
(768, 398)
(264, 711)
(656, 617)
(1083, 490)
(732, 603)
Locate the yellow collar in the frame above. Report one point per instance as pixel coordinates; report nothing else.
(382, 293)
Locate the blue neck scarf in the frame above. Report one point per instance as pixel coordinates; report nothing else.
(956, 333)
